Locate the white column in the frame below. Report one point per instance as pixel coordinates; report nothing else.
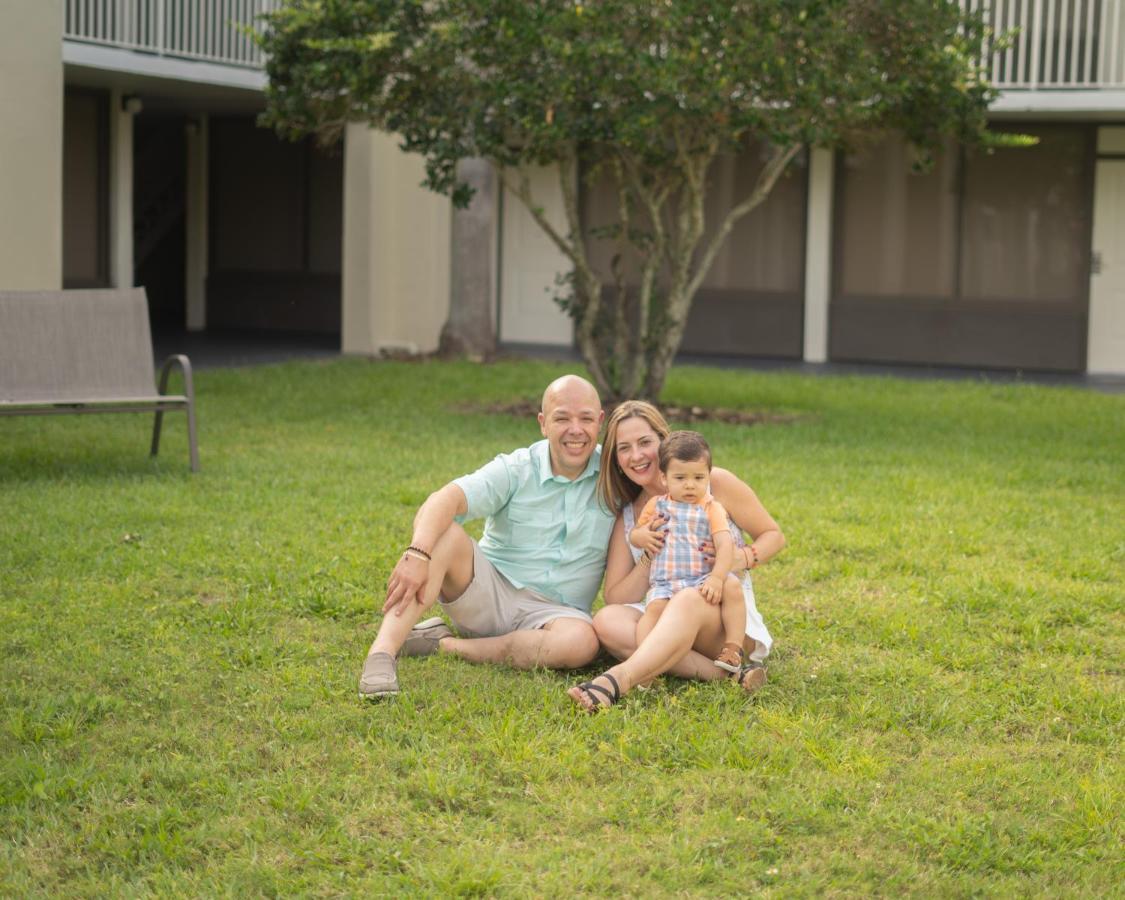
(818, 254)
(1105, 341)
(121, 190)
(397, 249)
(195, 254)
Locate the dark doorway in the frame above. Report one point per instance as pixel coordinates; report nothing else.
(159, 216)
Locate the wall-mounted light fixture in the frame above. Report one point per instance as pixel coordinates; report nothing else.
(132, 104)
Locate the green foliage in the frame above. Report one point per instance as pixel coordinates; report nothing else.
(644, 94)
(179, 656)
(522, 83)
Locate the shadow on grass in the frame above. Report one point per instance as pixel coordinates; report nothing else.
(44, 464)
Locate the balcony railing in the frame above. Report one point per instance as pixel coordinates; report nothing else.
(188, 29)
(1057, 44)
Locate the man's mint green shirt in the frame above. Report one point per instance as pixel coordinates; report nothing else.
(542, 532)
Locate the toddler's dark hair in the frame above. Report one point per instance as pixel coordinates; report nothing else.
(686, 446)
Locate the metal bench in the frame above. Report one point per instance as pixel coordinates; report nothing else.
(86, 352)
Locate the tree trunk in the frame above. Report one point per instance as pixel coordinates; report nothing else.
(470, 329)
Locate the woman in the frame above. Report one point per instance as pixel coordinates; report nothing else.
(689, 634)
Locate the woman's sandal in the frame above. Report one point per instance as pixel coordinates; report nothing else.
(730, 658)
(590, 696)
(751, 676)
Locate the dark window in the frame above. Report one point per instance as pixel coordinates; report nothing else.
(85, 189)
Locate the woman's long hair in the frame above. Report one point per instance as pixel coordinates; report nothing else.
(615, 488)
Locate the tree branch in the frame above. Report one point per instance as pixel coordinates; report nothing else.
(766, 179)
(523, 192)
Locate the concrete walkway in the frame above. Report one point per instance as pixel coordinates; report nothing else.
(227, 349)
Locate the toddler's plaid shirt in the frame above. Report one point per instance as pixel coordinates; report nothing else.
(680, 563)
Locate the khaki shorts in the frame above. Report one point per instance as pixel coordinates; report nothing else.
(492, 605)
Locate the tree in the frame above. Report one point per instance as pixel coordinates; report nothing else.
(644, 93)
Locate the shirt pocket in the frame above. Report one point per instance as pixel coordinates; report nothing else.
(536, 526)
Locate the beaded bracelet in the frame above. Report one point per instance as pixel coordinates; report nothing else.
(419, 551)
(753, 552)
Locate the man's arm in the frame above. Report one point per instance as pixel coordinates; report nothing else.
(433, 519)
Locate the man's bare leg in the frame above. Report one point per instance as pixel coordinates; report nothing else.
(560, 644)
(450, 573)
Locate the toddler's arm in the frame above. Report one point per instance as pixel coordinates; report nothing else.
(712, 588)
(643, 536)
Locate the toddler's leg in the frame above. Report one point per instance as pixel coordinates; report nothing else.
(733, 614)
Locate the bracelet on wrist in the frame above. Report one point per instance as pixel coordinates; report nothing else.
(417, 553)
(751, 551)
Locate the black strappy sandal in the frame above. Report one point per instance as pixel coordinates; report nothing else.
(595, 693)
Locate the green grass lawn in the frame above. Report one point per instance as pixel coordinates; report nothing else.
(179, 656)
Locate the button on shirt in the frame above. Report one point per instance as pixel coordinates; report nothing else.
(543, 532)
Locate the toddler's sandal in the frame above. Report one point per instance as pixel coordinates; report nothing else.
(730, 659)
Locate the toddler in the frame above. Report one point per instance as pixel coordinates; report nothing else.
(692, 516)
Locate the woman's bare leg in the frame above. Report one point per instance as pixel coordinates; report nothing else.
(649, 619)
(688, 622)
(616, 626)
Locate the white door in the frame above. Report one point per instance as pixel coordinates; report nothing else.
(1105, 347)
(529, 263)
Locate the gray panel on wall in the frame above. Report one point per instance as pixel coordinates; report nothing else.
(1014, 295)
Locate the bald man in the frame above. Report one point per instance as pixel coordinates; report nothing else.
(521, 596)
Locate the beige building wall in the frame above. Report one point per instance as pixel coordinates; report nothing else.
(530, 263)
(397, 241)
(31, 119)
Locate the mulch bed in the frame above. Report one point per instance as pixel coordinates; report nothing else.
(678, 414)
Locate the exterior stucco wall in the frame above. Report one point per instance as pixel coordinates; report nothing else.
(531, 264)
(31, 119)
(396, 268)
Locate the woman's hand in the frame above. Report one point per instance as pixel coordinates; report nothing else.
(650, 537)
(737, 562)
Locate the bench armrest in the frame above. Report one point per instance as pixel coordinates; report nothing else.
(185, 366)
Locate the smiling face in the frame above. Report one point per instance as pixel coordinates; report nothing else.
(688, 480)
(636, 449)
(571, 416)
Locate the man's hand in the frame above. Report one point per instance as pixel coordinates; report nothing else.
(712, 590)
(405, 585)
(650, 537)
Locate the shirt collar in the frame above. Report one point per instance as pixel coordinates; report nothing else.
(541, 453)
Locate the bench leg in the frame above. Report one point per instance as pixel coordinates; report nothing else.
(189, 392)
(193, 447)
(156, 432)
